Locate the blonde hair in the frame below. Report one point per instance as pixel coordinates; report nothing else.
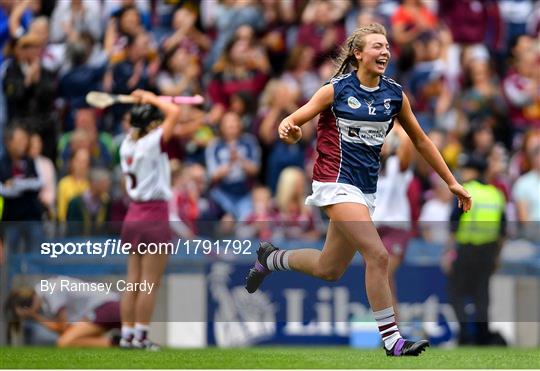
(287, 186)
(267, 95)
(357, 41)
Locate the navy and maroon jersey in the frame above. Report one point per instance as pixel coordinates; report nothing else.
(351, 132)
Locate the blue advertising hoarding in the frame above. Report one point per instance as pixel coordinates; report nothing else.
(292, 308)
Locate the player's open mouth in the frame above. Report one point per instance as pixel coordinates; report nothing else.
(381, 62)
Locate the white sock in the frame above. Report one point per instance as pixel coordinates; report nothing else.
(141, 331)
(128, 332)
(386, 321)
(278, 260)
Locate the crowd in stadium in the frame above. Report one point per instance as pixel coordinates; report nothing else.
(470, 69)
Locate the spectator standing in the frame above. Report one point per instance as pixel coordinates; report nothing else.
(293, 219)
(472, 22)
(300, 72)
(231, 14)
(280, 100)
(321, 28)
(497, 170)
(82, 76)
(515, 14)
(124, 24)
(19, 188)
(47, 172)
(481, 96)
(527, 196)
(434, 220)
(89, 213)
(99, 144)
(75, 183)
(116, 8)
(135, 72)
(473, 251)
(240, 68)
(233, 162)
(521, 89)
(75, 17)
(185, 34)
(179, 74)
(260, 222)
(30, 90)
(132, 73)
(184, 203)
(520, 161)
(412, 19)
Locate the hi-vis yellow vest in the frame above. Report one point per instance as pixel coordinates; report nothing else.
(482, 224)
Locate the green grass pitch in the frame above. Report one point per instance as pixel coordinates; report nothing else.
(266, 357)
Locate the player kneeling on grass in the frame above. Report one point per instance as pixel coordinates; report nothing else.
(80, 318)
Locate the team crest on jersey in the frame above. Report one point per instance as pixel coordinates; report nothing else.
(353, 103)
(387, 110)
(129, 160)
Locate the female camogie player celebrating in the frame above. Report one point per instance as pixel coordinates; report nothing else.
(356, 112)
(146, 167)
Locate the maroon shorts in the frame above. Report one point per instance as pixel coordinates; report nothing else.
(108, 315)
(395, 240)
(146, 222)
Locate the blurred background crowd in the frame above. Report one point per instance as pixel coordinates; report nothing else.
(471, 69)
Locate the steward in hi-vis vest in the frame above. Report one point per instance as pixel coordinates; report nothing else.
(482, 224)
(473, 251)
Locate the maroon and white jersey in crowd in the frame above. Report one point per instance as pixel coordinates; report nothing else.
(146, 167)
(517, 91)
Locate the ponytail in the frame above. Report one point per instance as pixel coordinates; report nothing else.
(343, 63)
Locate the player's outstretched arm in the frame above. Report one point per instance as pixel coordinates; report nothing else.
(289, 129)
(169, 109)
(429, 152)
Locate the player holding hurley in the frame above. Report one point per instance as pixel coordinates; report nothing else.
(146, 167)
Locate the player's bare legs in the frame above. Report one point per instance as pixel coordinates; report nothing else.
(354, 223)
(328, 264)
(393, 264)
(127, 303)
(84, 334)
(153, 267)
(350, 230)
